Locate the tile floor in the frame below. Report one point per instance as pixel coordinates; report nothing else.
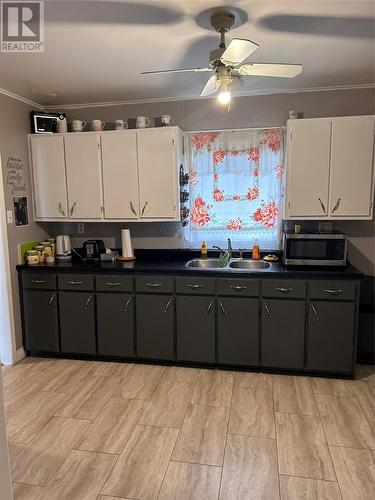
(86, 430)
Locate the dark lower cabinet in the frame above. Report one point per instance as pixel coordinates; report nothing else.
(238, 331)
(77, 322)
(330, 336)
(155, 326)
(115, 324)
(41, 321)
(196, 328)
(283, 333)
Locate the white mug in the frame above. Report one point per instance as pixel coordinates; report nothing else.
(142, 122)
(97, 125)
(78, 125)
(62, 126)
(121, 124)
(166, 120)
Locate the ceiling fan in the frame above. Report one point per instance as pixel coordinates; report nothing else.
(226, 62)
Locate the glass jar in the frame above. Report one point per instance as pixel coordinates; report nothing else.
(40, 250)
(47, 248)
(32, 257)
(52, 242)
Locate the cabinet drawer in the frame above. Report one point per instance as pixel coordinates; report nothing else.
(76, 281)
(247, 288)
(39, 280)
(154, 284)
(114, 283)
(284, 288)
(333, 290)
(195, 285)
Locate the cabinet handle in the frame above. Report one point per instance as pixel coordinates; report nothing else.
(114, 283)
(194, 286)
(75, 282)
(60, 209)
(154, 285)
(87, 303)
(315, 312)
(223, 308)
(50, 302)
(333, 291)
(127, 303)
(284, 290)
(73, 207)
(336, 206)
(167, 305)
(322, 205)
(238, 288)
(267, 310)
(144, 207)
(209, 307)
(38, 282)
(132, 209)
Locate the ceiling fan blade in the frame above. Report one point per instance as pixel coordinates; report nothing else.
(269, 69)
(237, 51)
(184, 70)
(210, 87)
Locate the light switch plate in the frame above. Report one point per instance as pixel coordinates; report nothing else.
(10, 216)
(81, 228)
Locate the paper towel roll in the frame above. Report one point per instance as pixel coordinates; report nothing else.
(127, 249)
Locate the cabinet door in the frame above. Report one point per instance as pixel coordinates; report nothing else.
(48, 171)
(120, 175)
(84, 178)
(157, 167)
(115, 324)
(196, 328)
(283, 333)
(77, 322)
(41, 321)
(352, 151)
(308, 168)
(155, 326)
(331, 327)
(238, 331)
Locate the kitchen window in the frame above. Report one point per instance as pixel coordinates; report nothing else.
(236, 187)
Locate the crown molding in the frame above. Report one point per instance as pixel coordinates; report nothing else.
(175, 99)
(12, 95)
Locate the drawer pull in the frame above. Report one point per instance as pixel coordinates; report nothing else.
(132, 208)
(88, 303)
(38, 282)
(322, 205)
(315, 312)
(333, 291)
(144, 208)
(75, 282)
(284, 290)
(154, 285)
(127, 303)
(50, 302)
(223, 308)
(167, 305)
(336, 206)
(267, 310)
(209, 307)
(114, 283)
(194, 286)
(238, 288)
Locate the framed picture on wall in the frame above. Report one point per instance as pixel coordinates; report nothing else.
(21, 216)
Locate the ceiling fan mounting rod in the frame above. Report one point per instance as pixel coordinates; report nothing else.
(222, 32)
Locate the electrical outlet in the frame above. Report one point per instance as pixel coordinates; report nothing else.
(9, 216)
(81, 228)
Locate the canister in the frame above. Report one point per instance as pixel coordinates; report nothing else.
(32, 257)
(40, 250)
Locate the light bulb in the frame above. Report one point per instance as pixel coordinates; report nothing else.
(224, 97)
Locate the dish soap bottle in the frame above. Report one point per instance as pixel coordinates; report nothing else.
(204, 250)
(256, 251)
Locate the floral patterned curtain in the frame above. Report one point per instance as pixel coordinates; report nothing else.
(236, 187)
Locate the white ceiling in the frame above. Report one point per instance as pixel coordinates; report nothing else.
(95, 50)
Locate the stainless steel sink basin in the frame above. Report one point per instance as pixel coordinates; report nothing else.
(203, 263)
(253, 265)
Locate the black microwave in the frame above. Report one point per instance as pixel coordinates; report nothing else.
(45, 123)
(315, 249)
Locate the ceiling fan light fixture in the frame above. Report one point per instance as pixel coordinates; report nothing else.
(224, 97)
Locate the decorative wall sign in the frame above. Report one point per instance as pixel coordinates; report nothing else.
(15, 176)
(21, 216)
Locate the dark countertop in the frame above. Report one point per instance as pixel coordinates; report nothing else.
(174, 262)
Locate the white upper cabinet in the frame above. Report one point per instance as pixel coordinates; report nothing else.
(352, 150)
(330, 169)
(120, 175)
(84, 176)
(158, 160)
(47, 157)
(308, 168)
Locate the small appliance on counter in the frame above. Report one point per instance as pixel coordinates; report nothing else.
(92, 249)
(63, 247)
(315, 249)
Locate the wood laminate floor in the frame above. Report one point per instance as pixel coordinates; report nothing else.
(90, 430)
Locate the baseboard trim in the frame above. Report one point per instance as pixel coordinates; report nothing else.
(18, 355)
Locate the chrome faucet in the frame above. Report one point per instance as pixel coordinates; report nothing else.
(230, 249)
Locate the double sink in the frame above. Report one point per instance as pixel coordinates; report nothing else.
(235, 264)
